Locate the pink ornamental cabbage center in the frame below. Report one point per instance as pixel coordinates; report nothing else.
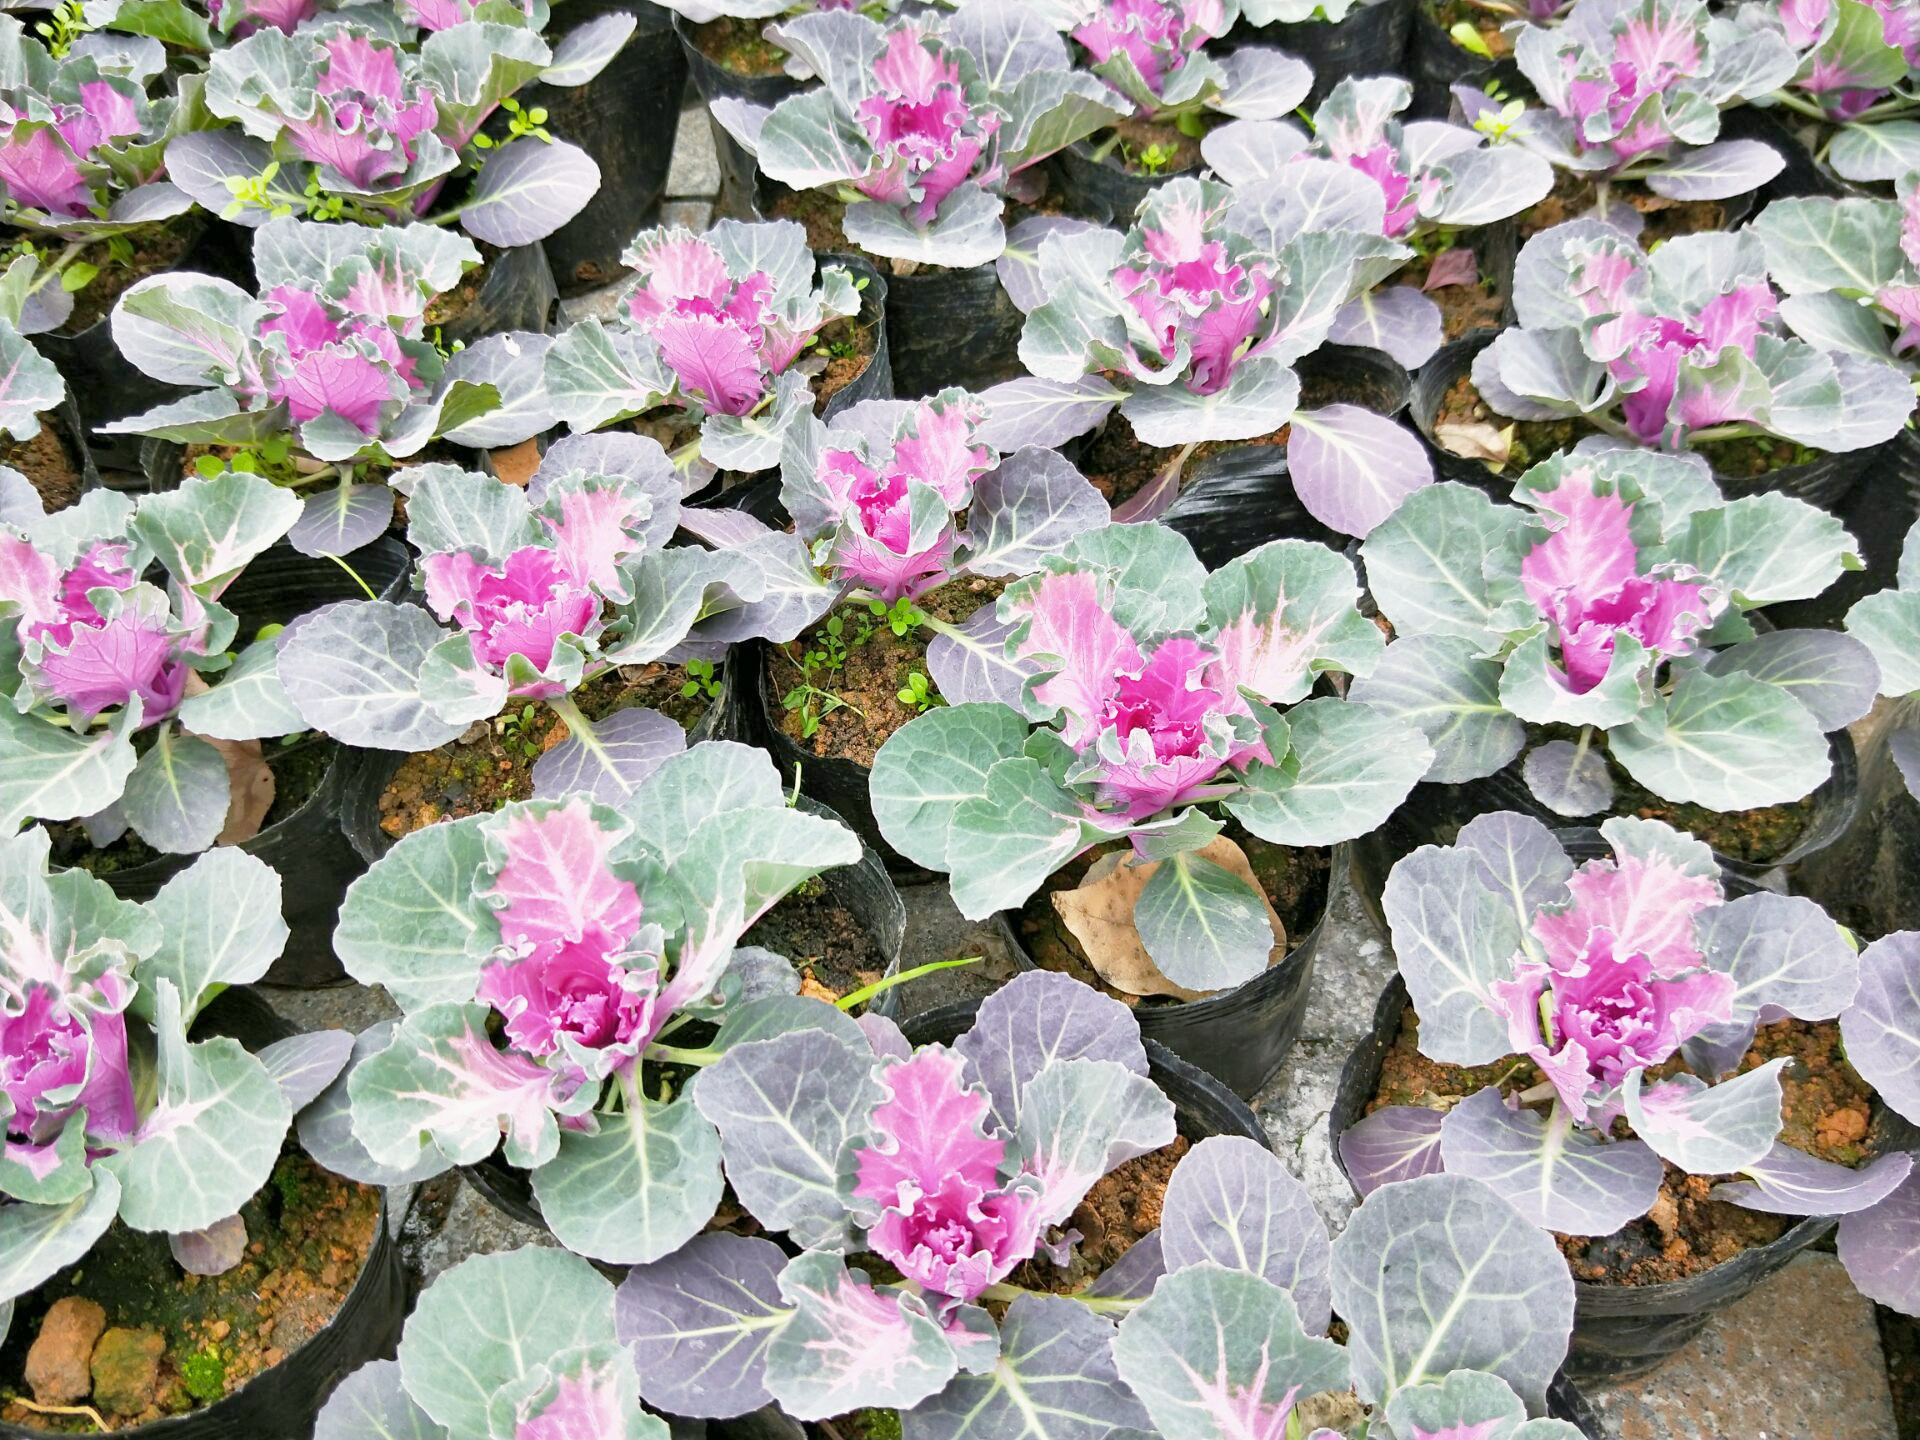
(363, 125)
(1828, 77)
(1623, 983)
(326, 366)
(1156, 36)
(1188, 288)
(925, 133)
(1648, 58)
(47, 1049)
(41, 168)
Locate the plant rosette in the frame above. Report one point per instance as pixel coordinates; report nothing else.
(1433, 179)
(82, 147)
(1190, 324)
(530, 593)
(569, 945)
(1611, 598)
(926, 126)
(1634, 988)
(111, 1111)
(1154, 692)
(1153, 52)
(1855, 59)
(914, 1182)
(1678, 349)
(337, 120)
(127, 705)
(1633, 90)
(331, 354)
(716, 325)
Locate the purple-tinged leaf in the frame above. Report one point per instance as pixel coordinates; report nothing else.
(1441, 1274)
(1054, 1380)
(513, 363)
(1081, 1118)
(1035, 1019)
(1707, 1130)
(700, 1321)
(973, 665)
(1019, 264)
(1881, 1249)
(1520, 858)
(588, 49)
(1135, 1273)
(1397, 319)
(305, 1065)
(1218, 1354)
(606, 764)
(1231, 1201)
(1568, 780)
(1717, 172)
(1468, 1405)
(212, 1251)
(1395, 1142)
(1027, 508)
(1559, 1177)
(850, 1345)
(372, 1404)
(1785, 956)
(784, 1108)
(1352, 468)
(1046, 413)
(529, 189)
(723, 528)
(1881, 1028)
(1904, 748)
(1791, 1182)
(1454, 937)
(352, 670)
(883, 1036)
(341, 520)
(325, 1127)
(589, 1392)
(1833, 675)
(635, 459)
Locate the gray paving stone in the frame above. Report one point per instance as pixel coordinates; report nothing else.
(696, 168)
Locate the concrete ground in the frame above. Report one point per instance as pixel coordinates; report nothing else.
(1799, 1359)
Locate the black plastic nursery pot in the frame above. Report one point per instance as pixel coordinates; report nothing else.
(306, 847)
(951, 327)
(513, 290)
(876, 381)
(1824, 482)
(1619, 1331)
(625, 119)
(1869, 879)
(739, 175)
(280, 1403)
(1434, 65)
(1101, 189)
(863, 889)
(1370, 40)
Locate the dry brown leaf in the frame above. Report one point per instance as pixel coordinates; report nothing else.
(1475, 440)
(249, 782)
(516, 463)
(1099, 914)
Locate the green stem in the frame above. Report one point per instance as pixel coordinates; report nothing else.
(867, 992)
(581, 729)
(59, 262)
(1099, 1304)
(1739, 430)
(356, 576)
(1799, 105)
(1106, 147)
(1580, 748)
(675, 1055)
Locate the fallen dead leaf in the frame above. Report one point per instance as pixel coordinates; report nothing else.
(516, 463)
(1099, 914)
(1475, 440)
(1458, 266)
(250, 787)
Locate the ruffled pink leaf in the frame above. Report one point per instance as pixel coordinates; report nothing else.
(522, 608)
(338, 380)
(930, 1129)
(1646, 905)
(98, 666)
(936, 447)
(598, 529)
(554, 889)
(39, 172)
(1069, 623)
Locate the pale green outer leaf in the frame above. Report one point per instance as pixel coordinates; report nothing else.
(1440, 1274)
(221, 925)
(1440, 684)
(213, 1137)
(1765, 549)
(69, 1179)
(457, 687)
(1454, 937)
(207, 530)
(178, 795)
(372, 1404)
(1081, 1118)
(1003, 845)
(703, 781)
(1159, 583)
(1729, 742)
(248, 702)
(1284, 613)
(592, 1386)
(491, 1319)
(1534, 687)
(1205, 927)
(638, 1190)
(39, 1241)
(1348, 769)
(1876, 152)
(1472, 1400)
(409, 922)
(49, 773)
(1888, 624)
(1818, 244)
(1446, 559)
(1214, 1353)
(932, 765)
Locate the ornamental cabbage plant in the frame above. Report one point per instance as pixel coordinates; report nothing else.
(529, 593)
(1434, 178)
(1612, 598)
(331, 352)
(924, 126)
(1852, 53)
(956, 1164)
(1598, 974)
(1153, 697)
(1676, 349)
(1189, 325)
(512, 1346)
(337, 120)
(1153, 52)
(1633, 90)
(567, 943)
(105, 708)
(82, 147)
(111, 1110)
(717, 324)
(1851, 272)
